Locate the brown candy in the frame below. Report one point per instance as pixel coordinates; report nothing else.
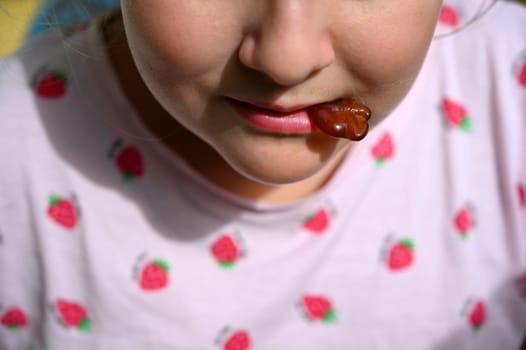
(341, 119)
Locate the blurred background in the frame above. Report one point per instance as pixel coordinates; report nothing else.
(20, 19)
(15, 15)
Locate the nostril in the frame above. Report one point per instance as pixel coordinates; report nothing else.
(246, 52)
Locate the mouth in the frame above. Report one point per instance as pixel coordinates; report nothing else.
(274, 118)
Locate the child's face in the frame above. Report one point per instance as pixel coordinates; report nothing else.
(197, 55)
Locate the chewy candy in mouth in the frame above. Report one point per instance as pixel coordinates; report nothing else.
(341, 119)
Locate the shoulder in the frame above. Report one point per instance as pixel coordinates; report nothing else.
(39, 83)
(483, 59)
(33, 53)
(24, 75)
(494, 24)
(506, 17)
(34, 92)
(480, 74)
(503, 28)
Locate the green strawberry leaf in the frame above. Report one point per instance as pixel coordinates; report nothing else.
(162, 264)
(329, 316)
(61, 75)
(226, 264)
(465, 124)
(475, 328)
(127, 175)
(464, 235)
(407, 243)
(53, 199)
(379, 161)
(12, 327)
(84, 325)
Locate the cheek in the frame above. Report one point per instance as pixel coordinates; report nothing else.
(176, 39)
(386, 49)
(390, 43)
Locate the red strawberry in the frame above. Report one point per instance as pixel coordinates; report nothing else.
(317, 222)
(129, 162)
(52, 84)
(225, 251)
(448, 16)
(400, 254)
(522, 195)
(239, 340)
(62, 211)
(521, 74)
(154, 275)
(477, 315)
(72, 314)
(522, 284)
(456, 114)
(318, 308)
(383, 148)
(463, 221)
(14, 318)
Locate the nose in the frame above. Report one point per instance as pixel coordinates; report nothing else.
(290, 42)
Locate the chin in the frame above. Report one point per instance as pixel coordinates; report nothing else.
(280, 166)
(278, 175)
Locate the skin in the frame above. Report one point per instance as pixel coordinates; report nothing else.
(181, 58)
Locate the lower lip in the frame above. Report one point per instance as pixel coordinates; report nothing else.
(296, 122)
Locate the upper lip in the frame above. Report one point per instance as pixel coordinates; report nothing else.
(273, 107)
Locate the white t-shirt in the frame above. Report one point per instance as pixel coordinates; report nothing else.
(109, 241)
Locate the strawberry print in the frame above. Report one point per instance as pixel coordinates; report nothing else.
(448, 16)
(62, 211)
(521, 74)
(463, 221)
(318, 308)
(477, 315)
(521, 284)
(51, 84)
(317, 222)
(456, 115)
(130, 163)
(400, 254)
(72, 314)
(14, 318)
(154, 275)
(383, 149)
(225, 251)
(238, 340)
(521, 192)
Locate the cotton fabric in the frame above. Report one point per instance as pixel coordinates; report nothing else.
(110, 241)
